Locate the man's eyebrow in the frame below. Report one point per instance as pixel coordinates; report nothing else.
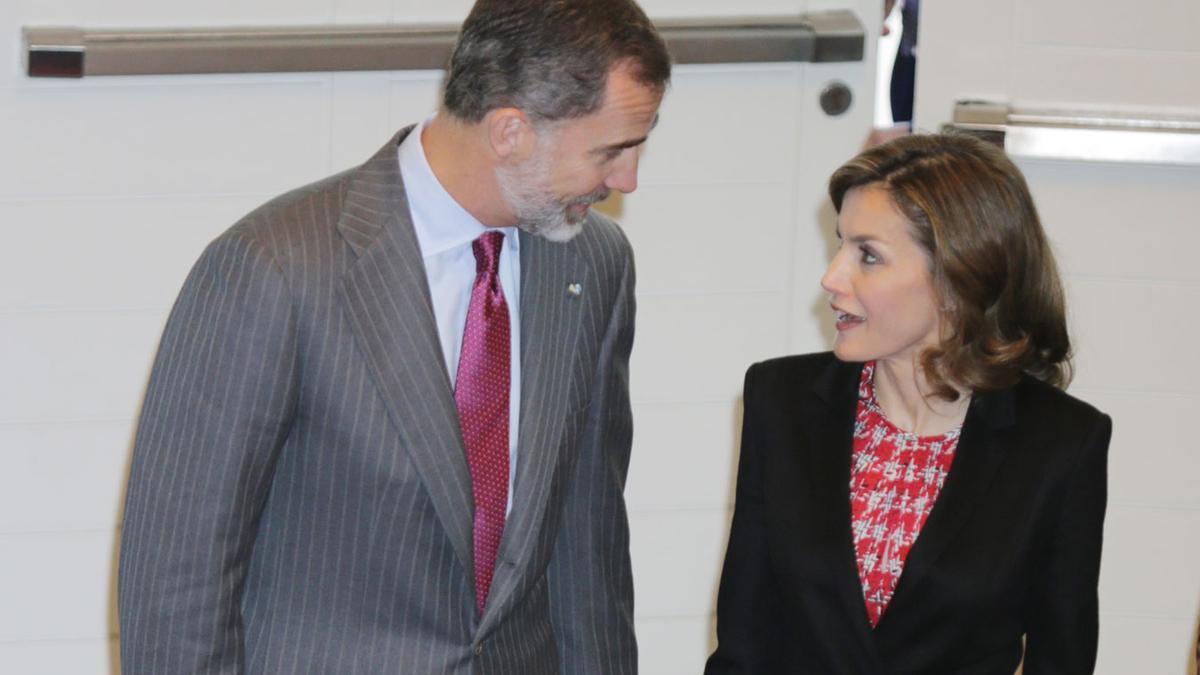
(632, 143)
(629, 144)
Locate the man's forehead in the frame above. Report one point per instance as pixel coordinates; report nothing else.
(608, 127)
(624, 91)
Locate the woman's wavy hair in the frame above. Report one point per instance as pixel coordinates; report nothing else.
(1003, 308)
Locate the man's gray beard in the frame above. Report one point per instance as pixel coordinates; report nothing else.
(526, 188)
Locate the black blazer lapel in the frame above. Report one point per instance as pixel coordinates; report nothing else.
(550, 324)
(829, 428)
(388, 304)
(978, 456)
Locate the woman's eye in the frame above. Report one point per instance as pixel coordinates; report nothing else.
(868, 257)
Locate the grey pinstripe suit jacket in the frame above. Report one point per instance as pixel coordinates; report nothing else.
(299, 501)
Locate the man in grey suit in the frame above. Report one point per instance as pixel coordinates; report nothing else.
(388, 426)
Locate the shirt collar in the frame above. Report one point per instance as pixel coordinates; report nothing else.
(439, 221)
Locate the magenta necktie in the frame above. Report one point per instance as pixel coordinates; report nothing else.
(481, 393)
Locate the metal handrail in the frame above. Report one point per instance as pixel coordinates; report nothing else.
(1083, 136)
(73, 52)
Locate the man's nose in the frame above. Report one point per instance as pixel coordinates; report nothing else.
(623, 176)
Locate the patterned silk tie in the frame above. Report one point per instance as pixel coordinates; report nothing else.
(481, 393)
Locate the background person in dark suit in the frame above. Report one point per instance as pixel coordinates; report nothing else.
(388, 426)
(926, 496)
(904, 67)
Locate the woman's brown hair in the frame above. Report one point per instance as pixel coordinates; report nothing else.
(1003, 309)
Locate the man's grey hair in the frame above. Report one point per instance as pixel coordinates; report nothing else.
(549, 58)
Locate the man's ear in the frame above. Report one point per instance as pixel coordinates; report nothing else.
(510, 133)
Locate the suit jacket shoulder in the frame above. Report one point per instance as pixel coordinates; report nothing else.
(796, 376)
(314, 226)
(798, 365)
(1035, 398)
(299, 228)
(1030, 401)
(604, 232)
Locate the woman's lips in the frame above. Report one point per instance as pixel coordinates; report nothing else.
(845, 320)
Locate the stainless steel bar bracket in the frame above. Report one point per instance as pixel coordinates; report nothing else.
(73, 52)
(1082, 136)
(54, 52)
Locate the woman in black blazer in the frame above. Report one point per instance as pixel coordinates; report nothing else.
(940, 414)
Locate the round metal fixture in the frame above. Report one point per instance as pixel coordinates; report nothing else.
(836, 98)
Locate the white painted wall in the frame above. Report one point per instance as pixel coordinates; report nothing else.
(109, 189)
(1125, 237)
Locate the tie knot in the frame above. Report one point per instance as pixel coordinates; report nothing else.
(487, 252)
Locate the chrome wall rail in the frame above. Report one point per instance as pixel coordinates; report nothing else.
(74, 52)
(1145, 139)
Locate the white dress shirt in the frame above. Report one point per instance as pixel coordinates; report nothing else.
(444, 232)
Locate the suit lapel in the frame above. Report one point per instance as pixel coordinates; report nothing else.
(387, 302)
(830, 431)
(978, 456)
(550, 324)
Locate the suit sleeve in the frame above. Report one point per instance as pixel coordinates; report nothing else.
(1062, 620)
(216, 412)
(745, 628)
(590, 580)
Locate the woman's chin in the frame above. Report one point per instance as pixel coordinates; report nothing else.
(847, 353)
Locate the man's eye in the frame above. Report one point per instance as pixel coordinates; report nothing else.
(613, 153)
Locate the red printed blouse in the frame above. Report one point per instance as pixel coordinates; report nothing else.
(895, 477)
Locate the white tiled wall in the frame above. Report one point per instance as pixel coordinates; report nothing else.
(1124, 237)
(110, 187)
(55, 657)
(1109, 55)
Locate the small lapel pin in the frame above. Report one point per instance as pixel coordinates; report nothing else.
(575, 290)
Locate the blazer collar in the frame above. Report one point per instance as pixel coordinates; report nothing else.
(829, 427)
(837, 384)
(550, 326)
(979, 454)
(388, 304)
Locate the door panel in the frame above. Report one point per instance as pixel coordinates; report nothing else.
(1124, 234)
